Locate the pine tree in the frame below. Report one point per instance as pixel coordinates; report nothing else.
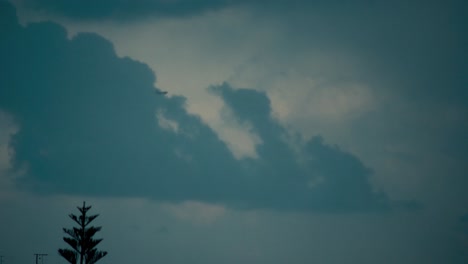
(81, 240)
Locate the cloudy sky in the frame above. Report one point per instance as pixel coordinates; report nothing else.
(291, 132)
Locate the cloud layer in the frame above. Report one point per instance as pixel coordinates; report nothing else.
(125, 9)
(91, 123)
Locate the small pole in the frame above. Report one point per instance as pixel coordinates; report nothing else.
(40, 256)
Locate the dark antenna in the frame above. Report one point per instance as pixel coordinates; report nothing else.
(40, 256)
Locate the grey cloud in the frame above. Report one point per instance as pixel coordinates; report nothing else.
(413, 57)
(88, 126)
(125, 9)
(417, 48)
(320, 177)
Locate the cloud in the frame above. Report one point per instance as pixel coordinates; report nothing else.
(196, 212)
(90, 123)
(88, 116)
(314, 175)
(124, 9)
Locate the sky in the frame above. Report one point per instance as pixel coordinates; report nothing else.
(291, 132)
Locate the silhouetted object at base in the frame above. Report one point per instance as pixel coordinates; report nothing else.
(81, 240)
(161, 92)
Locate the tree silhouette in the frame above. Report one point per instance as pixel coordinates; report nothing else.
(81, 240)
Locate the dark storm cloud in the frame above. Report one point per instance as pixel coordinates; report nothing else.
(412, 54)
(125, 9)
(88, 119)
(138, 9)
(88, 125)
(310, 175)
(415, 47)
